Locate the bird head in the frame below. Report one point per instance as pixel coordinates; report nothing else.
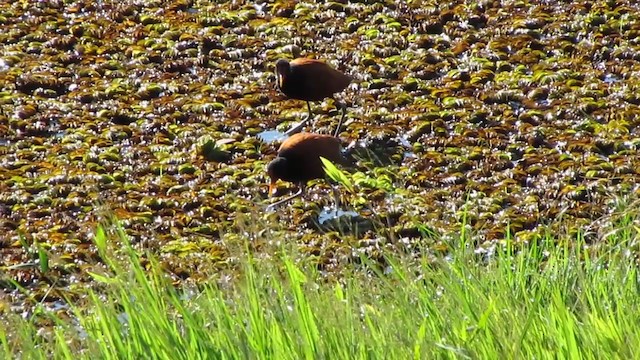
(276, 170)
(282, 70)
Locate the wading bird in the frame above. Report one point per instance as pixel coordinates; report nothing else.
(310, 80)
(298, 160)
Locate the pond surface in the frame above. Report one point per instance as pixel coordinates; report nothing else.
(504, 116)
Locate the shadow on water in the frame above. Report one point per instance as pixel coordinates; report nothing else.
(343, 221)
(380, 152)
(48, 133)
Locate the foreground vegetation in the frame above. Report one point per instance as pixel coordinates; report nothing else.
(156, 108)
(557, 297)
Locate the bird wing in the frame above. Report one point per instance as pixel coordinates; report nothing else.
(307, 62)
(320, 76)
(311, 146)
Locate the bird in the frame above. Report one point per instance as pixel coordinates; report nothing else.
(298, 160)
(310, 80)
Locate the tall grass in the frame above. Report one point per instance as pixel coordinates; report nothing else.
(545, 299)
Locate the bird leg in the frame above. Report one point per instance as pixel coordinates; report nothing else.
(271, 206)
(298, 127)
(336, 197)
(344, 113)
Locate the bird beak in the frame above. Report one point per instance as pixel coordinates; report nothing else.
(272, 187)
(280, 79)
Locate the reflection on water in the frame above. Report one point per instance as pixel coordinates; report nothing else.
(410, 155)
(270, 136)
(404, 142)
(610, 78)
(332, 213)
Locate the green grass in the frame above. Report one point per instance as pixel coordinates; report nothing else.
(541, 300)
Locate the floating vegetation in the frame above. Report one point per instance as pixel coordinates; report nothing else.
(166, 114)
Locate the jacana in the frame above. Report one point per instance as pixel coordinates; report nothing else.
(298, 160)
(309, 80)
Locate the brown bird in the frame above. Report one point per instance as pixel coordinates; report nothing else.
(298, 160)
(310, 80)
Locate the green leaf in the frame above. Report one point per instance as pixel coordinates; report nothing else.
(452, 102)
(336, 175)
(102, 278)
(372, 33)
(44, 259)
(23, 241)
(100, 240)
